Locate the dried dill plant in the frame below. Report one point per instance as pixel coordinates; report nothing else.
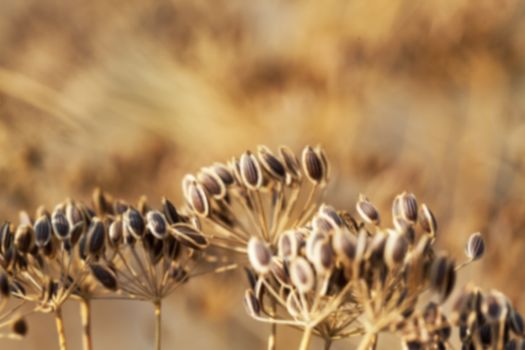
(340, 276)
(259, 195)
(111, 251)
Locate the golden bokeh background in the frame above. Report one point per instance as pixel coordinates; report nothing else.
(424, 96)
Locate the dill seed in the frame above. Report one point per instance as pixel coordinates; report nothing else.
(134, 223)
(105, 276)
(271, 163)
(312, 165)
(302, 275)
(23, 238)
(367, 211)
(291, 163)
(5, 237)
(344, 244)
(260, 255)
(115, 232)
(475, 246)
(250, 171)
(396, 248)
(42, 230)
(95, 237)
(427, 220)
(189, 236)
(198, 199)
(170, 212)
(516, 322)
(157, 224)
(323, 257)
(212, 183)
(288, 245)
(60, 224)
(223, 173)
(408, 207)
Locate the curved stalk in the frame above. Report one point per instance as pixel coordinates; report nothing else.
(85, 314)
(59, 322)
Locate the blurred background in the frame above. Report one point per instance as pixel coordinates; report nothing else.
(427, 97)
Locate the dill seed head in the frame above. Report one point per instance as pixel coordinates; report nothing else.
(475, 246)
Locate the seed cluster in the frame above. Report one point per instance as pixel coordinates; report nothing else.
(257, 195)
(331, 273)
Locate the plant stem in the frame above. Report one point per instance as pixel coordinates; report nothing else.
(327, 344)
(85, 315)
(59, 321)
(158, 324)
(271, 337)
(369, 342)
(305, 341)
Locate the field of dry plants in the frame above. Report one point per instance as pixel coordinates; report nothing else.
(152, 99)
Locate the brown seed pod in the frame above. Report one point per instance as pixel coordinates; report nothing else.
(396, 248)
(442, 276)
(115, 234)
(494, 307)
(96, 237)
(24, 238)
(273, 165)
(302, 275)
(323, 257)
(313, 165)
(134, 223)
(6, 238)
(260, 255)
(288, 245)
(367, 211)
(279, 271)
(427, 220)
(60, 224)
(212, 183)
(170, 212)
(189, 236)
(252, 305)
(345, 244)
(330, 214)
(250, 171)
(293, 170)
(311, 240)
(224, 173)
(408, 207)
(105, 276)
(198, 199)
(475, 246)
(157, 224)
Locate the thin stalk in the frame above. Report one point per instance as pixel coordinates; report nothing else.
(327, 344)
(85, 315)
(273, 331)
(59, 322)
(158, 324)
(369, 342)
(307, 336)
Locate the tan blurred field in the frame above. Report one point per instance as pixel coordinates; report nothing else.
(130, 95)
